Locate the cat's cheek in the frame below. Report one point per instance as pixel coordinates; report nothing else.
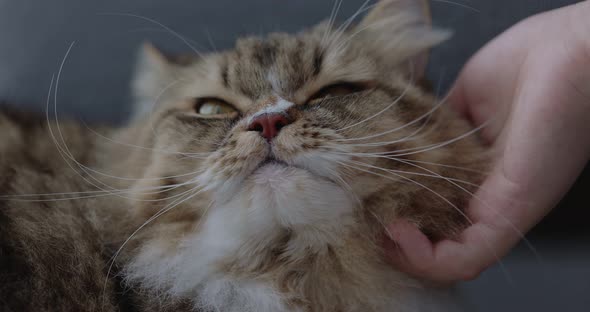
(321, 163)
(311, 149)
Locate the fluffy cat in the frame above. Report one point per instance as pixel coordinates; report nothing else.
(256, 179)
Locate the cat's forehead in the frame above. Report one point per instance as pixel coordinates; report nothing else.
(292, 67)
(279, 63)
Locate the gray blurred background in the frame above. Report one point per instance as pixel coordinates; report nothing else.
(35, 34)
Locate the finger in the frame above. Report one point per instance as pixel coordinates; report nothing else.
(494, 233)
(503, 210)
(413, 249)
(445, 262)
(500, 217)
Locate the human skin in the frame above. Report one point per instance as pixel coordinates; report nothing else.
(532, 87)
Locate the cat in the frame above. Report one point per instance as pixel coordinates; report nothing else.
(256, 179)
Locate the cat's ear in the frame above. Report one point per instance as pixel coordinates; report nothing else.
(401, 31)
(153, 73)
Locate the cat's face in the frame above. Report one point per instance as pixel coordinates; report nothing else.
(324, 108)
(284, 158)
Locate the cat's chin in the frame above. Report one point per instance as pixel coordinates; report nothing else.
(271, 162)
(274, 174)
(277, 175)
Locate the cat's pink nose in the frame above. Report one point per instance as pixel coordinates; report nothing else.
(269, 125)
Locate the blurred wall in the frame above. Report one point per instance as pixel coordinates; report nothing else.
(34, 36)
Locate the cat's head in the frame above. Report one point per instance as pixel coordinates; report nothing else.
(328, 116)
(271, 170)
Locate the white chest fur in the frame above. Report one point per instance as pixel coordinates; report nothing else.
(238, 227)
(273, 199)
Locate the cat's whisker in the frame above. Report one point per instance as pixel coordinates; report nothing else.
(337, 34)
(188, 156)
(441, 144)
(344, 42)
(352, 168)
(477, 198)
(418, 174)
(161, 212)
(367, 155)
(211, 41)
(462, 5)
(154, 29)
(464, 215)
(191, 182)
(344, 26)
(388, 107)
(203, 215)
(73, 195)
(331, 20)
(142, 147)
(280, 202)
(62, 151)
(67, 196)
(411, 181)
(341, 151)
(65, 150)
(414, 135)
(203, 141)
(445, 166)
(168, 29)
(86, 192)
(345, 185)
(442, 165)
(114, 191)
(412, 122)
(410, 137)
(182, 38)
(362, 9)
(426, 148)
(156, 103)
(158, 199)
(136, 179)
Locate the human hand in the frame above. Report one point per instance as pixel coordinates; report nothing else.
(532, 84)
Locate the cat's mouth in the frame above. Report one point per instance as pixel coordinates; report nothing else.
(272, 166)
(272, 161)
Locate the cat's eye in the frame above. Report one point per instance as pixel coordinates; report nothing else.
(214, 107)
(337, 90)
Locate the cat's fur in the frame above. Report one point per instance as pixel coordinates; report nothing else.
(300, 233)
